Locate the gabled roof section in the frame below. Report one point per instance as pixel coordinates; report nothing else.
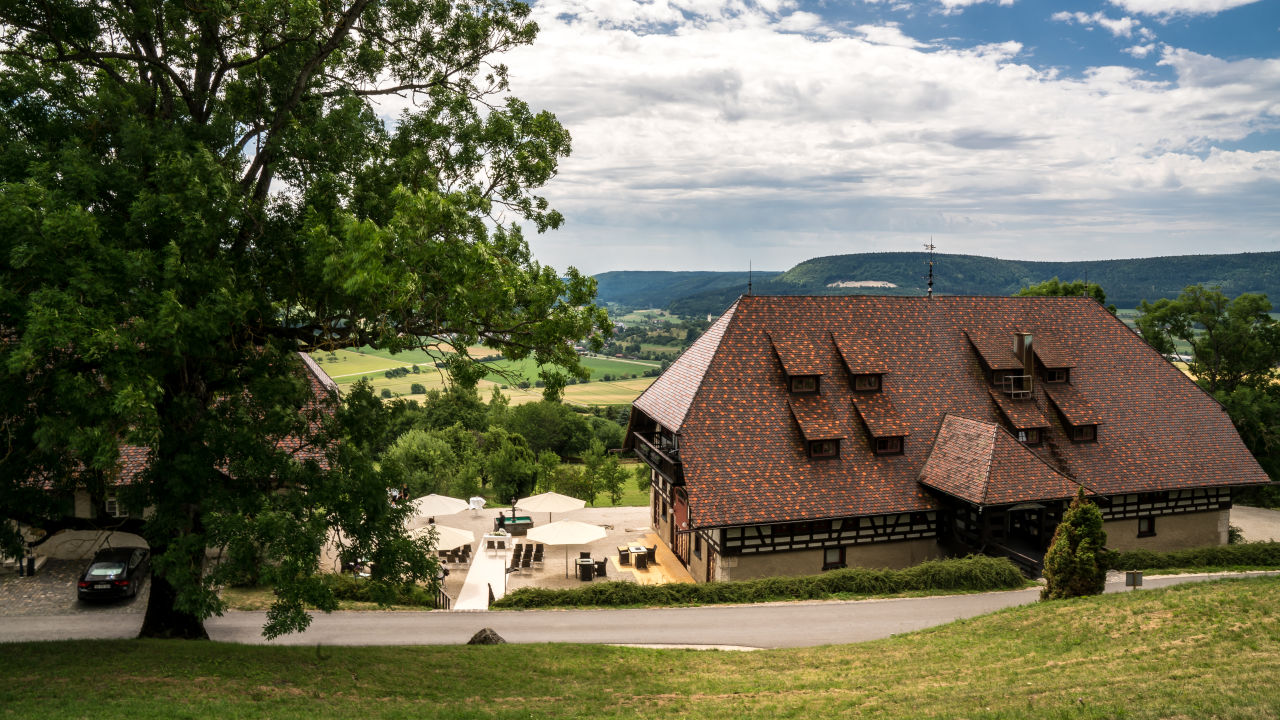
(1021, 414)
(995, 349)
(1050, 353)
(1073, 405)
(861, 355)
(982, 463)
(881, 418)
(668, 399)
(799, 355)
(816, 418)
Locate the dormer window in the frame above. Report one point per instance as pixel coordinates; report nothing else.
(1084, 433)
(1030, 436)
(804, 383)
(824, 448)
(866, 383)
(891, 445)
(1057, 375)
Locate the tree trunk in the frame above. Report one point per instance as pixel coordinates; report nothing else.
(163, 620)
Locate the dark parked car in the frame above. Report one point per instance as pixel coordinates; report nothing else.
(115, 573)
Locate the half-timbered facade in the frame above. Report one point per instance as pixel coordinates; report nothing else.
(806, 433)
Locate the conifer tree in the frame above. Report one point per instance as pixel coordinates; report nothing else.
(1074, 564)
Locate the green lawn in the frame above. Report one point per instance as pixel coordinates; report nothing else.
(1200, 650)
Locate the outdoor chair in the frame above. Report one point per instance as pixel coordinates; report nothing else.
(526, 563)
(490, 546)
(651, 554)
(585, 554)
(641, 562)
(600, 566)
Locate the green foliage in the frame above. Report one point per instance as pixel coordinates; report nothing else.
(1263, 554)
(417, 389)
(1077, 288)
(1075, 564)
(191, 194)
(1233, 342)
(1128, 282)
(550, 426)
(347, 587)
(974, 573)
(1235, 355)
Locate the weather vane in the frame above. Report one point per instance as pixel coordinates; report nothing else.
(929, 246)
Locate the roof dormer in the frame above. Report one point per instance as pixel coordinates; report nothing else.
(864, 361)
(801, 363)
(821, 429)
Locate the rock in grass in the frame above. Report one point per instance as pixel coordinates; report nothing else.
(486, 637)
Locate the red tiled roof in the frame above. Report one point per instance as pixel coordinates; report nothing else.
(668, 399)
(816, 418)
(1072, 403)
(1050, 354)
(800, 355)
(995, 349)
(744, 462)
(982, 463)
(861, 356)
(879, 415)
(1022, 414)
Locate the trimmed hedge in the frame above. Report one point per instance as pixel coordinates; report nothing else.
(975, 573)
(1262, 553)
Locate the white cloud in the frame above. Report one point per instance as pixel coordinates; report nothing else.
(1141, 51)
(1119, 27)
(1180, 7)
(954, 6)
(730, 129)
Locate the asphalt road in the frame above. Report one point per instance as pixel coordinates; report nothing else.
(753, 626)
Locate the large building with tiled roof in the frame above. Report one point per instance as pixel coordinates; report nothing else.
(803, 433)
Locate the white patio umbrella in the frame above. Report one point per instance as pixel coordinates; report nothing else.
(566, 532)
(447, 538)
(432, 505)
(550, 502)
(475, 503)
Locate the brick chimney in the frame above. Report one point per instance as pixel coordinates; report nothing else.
(1022, 348)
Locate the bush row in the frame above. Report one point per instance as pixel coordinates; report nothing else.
(1267, 553)
(971, 573)
(347, 587)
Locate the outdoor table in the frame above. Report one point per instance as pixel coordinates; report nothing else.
(500, 541)
(636, 549)
(586, 568)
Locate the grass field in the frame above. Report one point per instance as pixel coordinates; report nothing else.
(345, 367)
(1201, 650)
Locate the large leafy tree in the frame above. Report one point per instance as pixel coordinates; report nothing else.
(1076, 288)
(193, 192)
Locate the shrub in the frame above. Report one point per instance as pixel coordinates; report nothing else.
(386, 393)
(973, 573)
(346, 587)
(417, 389)
(1076, 563)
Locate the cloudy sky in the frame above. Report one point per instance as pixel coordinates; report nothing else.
(712, 133)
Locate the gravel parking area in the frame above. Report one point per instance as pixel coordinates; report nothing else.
(52, 591)
(1256, 524)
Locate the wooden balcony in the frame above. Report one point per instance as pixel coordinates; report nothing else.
(660, 456)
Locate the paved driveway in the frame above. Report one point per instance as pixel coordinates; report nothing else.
(758, 626)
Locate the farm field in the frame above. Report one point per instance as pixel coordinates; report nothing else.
(1200, 650)
(351, 365)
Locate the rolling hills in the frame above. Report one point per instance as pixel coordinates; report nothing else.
(1126, 282)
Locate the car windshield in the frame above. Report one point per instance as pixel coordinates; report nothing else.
(104, 569)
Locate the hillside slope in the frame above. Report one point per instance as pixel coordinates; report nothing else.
(1127, 282)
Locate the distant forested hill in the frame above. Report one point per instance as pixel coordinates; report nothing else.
(1126, 281)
